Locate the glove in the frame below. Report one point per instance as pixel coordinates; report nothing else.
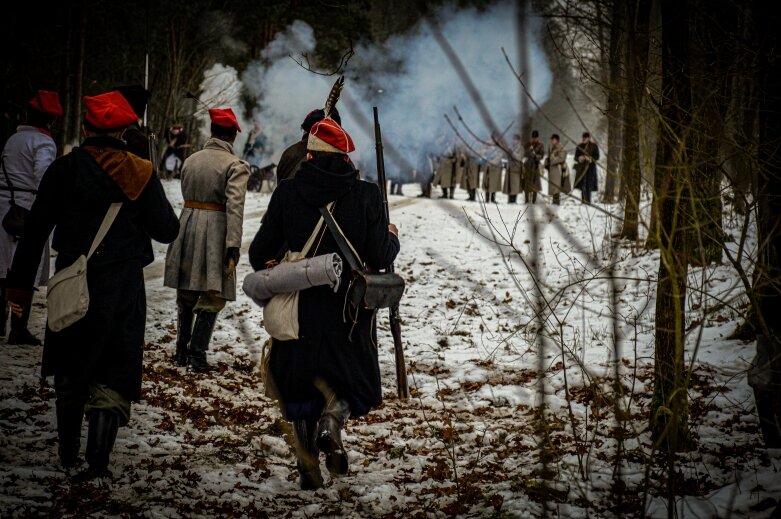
(232, 253)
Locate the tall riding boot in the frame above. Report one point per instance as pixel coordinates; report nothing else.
(69, 420)
(3, 308)
(585, 195)
(307, 455)
(329, 435)
(493, 197)
(512, 199)
(534, 197)
(452, 192)
(184, 333)
(103, 427)
(444, 193)
(472, 195)
(19, 332)
(202, 335)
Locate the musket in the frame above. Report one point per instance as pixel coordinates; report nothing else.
(402, 389)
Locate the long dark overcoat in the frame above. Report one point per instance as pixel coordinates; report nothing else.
(106, 345)
(586, 170)
(324, 349)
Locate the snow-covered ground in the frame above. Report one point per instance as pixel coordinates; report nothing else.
(466, 442)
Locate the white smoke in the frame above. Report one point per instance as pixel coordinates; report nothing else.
(408, 78)
(221, 88)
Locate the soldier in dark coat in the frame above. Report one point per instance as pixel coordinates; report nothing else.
(586, 157)
(96, 362)
(533, 154)
(331, 352)
(295, 154)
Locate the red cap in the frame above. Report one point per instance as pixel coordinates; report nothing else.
(327, 135)
(47, 103)
(224, 117)
(109, 111)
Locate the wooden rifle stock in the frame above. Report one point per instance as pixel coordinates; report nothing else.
(402, 389)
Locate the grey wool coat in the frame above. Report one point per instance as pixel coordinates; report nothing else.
(556, 158)
(471, 177)
(492, 178)
(445, 175)
(196, 259)
(513, 181)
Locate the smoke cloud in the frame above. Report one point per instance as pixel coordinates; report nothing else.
(408, 78)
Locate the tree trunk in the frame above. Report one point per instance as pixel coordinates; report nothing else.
(615, 103)
(669, 413)
(638, 19)
(711, 90)
(767, 282)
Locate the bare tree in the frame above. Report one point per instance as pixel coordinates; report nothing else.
(638, 20)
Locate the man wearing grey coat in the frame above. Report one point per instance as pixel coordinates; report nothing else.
(556, 164)
(200, 264)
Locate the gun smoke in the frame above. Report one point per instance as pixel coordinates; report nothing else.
(408, 78)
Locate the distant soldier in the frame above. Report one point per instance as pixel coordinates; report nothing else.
(445, 176)
(514, 177)
(295, 154)
(201, 263)
(586, 157)
(492, 180)
(533, 154)
(177, 145)
(25, 158)
(556, 163)
(471, 178)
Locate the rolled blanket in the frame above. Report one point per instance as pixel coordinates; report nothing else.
(291, 276)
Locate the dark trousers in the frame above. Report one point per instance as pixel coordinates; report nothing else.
(84, 397)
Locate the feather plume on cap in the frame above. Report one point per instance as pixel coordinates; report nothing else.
(333, 96)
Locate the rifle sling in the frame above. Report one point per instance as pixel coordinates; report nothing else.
(341, 241)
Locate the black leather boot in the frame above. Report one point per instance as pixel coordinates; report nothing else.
(452, 192)
(184, 333)
(472, 194)
(329, 435)
(69, 420)
(557, 199)
(199, 343)
(3, 309)
(19, 332)
(493, 197)
(102, 432)
(512, 199)
(307, 455)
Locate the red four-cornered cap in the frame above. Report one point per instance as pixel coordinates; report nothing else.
(224, 117)
(47, 102)
(327, 135)
(109, 111)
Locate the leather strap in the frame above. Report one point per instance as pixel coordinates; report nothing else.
(314, 234)
(206, 206)
(111, 214)
(344, 245)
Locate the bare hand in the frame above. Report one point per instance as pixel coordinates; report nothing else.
(393, 229)
(16, 309)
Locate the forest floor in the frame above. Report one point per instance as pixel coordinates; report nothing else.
(467, 442)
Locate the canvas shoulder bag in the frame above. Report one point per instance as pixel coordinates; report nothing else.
(280, 315)
(67, 295)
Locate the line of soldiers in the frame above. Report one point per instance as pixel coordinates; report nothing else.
(521, 171)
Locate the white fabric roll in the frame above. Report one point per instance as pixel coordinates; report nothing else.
(291, 276)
